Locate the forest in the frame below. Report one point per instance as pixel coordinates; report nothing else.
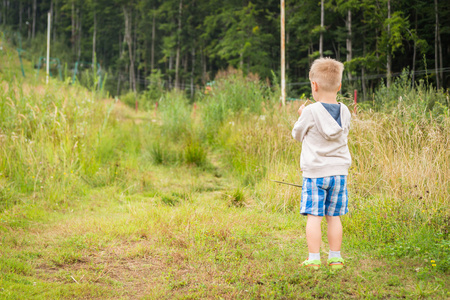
(184, 43)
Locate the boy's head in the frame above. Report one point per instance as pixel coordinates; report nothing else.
(327, 73)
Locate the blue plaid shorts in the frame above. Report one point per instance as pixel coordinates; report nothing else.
(324, 196)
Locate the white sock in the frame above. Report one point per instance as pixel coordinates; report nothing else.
(334, 254)
(314, 256)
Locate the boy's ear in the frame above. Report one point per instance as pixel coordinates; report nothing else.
(315, 86)
(339, 88)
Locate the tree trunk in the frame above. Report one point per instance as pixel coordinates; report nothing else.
(120, 46)
(136, 57)
(51, 16)
(118, 84)
(170, 70)
(388, 51)
(153, 40)
(28, 25)
(55, 19)
(94, 35)
(192, 72)
(441, 66)
(436, 48)
(20, 16)
(33, 32)
(127, 17)
(203, 61)
(363, 71)
(80, 32)
(3, 15)
(135, 39)
(77, 32)
(186, 71)
(322, 20)
(349, 40)
(73, 26)
(413, 73)
(205, 76)
(177, 63)
(377, 51)
(287, 50)
(309, 56)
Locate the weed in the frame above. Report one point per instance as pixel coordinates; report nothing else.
(236, 198)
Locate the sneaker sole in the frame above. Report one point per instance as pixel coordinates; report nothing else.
(336, 266)
(314, 267)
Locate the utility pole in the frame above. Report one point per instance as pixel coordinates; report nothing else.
(48, 47)
(322, 20)
(283, 70)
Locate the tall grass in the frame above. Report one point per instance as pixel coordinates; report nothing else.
(58, 142)
(233, 96)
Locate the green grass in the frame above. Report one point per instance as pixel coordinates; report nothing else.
(100, 202)
(126, 247)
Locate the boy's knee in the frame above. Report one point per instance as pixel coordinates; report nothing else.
(333, 218)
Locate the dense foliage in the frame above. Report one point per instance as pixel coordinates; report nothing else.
(189, 41)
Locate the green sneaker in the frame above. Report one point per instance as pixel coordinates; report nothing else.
(336, 263)
(315, 264)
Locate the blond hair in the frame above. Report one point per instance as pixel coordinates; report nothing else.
(327, 72)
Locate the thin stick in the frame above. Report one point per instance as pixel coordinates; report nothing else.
(287, 183)
(74, 279)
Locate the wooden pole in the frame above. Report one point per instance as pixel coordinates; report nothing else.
(283, 70)
(48, 46)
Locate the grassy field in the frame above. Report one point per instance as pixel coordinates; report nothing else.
(100, 202)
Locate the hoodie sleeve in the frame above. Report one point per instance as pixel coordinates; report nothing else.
(303, 124)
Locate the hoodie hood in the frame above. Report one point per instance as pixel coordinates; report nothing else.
(326, 124)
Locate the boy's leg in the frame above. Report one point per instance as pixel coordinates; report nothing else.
(334, 233)
(313, 233)
(313, 205)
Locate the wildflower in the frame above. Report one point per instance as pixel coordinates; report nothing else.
(33, 176)
(434, 265)
(432, 261)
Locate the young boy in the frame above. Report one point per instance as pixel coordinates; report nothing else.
(325, 159)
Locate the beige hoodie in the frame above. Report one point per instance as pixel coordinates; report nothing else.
(324, 143)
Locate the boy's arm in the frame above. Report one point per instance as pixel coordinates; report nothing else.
(303, 124)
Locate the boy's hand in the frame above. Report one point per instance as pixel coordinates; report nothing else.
(300, 110)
